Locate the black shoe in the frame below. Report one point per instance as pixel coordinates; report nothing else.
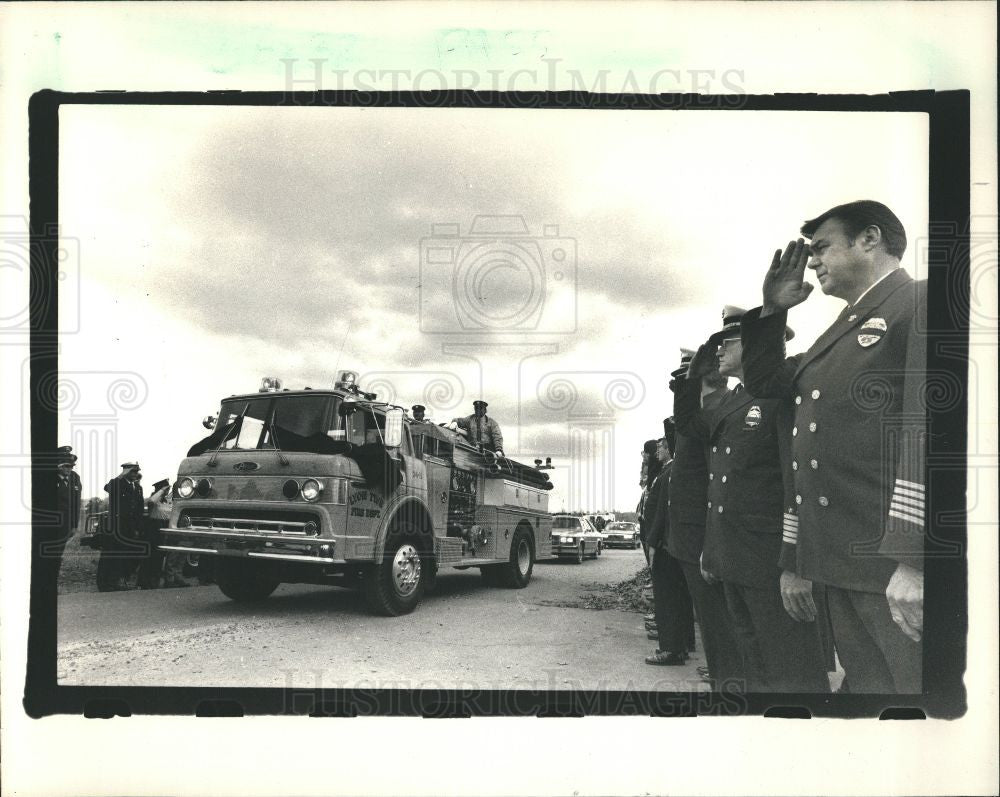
(666, 659)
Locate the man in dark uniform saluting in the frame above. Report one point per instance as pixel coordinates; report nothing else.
(744, 523)
(686, 507)
(859, 436)
(125, 511)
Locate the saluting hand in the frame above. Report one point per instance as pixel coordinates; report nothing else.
(704, 361)
(797, 595)
(905, 594)
(784, 284)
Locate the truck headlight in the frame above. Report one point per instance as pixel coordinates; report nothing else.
(311, 489)
(185, 488)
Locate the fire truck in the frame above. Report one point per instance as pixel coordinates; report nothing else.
(332, 486)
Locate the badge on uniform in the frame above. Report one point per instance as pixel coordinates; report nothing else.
(753, 417)
(876, 328)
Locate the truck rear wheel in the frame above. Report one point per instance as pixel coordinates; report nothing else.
(396, 584)
(244, 582)
(517, 572)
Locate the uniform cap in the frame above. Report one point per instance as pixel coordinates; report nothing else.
(157, 486)
(479, 403)
(418, 407)
(731, 317)
(130, 466)
(65, 454)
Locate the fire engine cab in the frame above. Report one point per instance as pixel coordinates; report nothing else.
(332, 486)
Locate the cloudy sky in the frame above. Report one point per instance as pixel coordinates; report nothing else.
(218, 245)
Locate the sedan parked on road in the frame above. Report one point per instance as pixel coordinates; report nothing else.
(623, 534)
(575, 538)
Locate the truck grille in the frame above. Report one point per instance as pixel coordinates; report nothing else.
(293, 524)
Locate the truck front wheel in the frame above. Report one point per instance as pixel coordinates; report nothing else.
(244, 582)
(396, 584)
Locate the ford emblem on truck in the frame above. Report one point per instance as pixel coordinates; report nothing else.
(246, 466)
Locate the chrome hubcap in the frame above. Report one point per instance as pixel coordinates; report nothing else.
(406, 569)
(523, 556)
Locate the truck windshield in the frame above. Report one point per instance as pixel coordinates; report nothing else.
(291, 423)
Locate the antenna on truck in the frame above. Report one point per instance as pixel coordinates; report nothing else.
(343, 343)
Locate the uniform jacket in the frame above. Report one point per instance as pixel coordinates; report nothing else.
(125, 506)
(689, 488)
(657, 515)
(68, 492)
(484, 431)
(858, 437)
(745, 485)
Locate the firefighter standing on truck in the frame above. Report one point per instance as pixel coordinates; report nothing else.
(482, 429)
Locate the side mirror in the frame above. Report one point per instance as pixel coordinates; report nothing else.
(393, 428)
(209, 421)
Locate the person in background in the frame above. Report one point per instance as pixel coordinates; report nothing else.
(68, 495)
(859, 466)
(119, 558)
(482, 429)
(688, 497)
(668, 581)
(651, 468)
(158, 508)
(750, 440)
(418, 413)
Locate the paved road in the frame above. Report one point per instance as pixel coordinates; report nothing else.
(466, 635)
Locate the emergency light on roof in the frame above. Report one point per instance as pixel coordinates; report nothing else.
(347, 380)
(270, 384)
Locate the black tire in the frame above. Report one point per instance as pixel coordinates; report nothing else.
(578, 559)
(516, 573)
(244, 582)
(395, 585)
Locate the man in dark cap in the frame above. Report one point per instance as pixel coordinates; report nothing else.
(859, 465)
(482, 429)
(122, 553)
(748, 438)
(688, 497)
(68, 495)
(158, 508)
(418, 412)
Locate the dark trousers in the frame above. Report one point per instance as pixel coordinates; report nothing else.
(722, 654)
(878, 658)
(779, 653)
(151, 568)
(672, 604)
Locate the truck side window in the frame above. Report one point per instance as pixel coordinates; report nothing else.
(375, 428)
(414, 444)
(356, 428)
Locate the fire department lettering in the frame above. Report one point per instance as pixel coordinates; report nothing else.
(366, 497)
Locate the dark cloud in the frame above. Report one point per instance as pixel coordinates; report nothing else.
(309, 222)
